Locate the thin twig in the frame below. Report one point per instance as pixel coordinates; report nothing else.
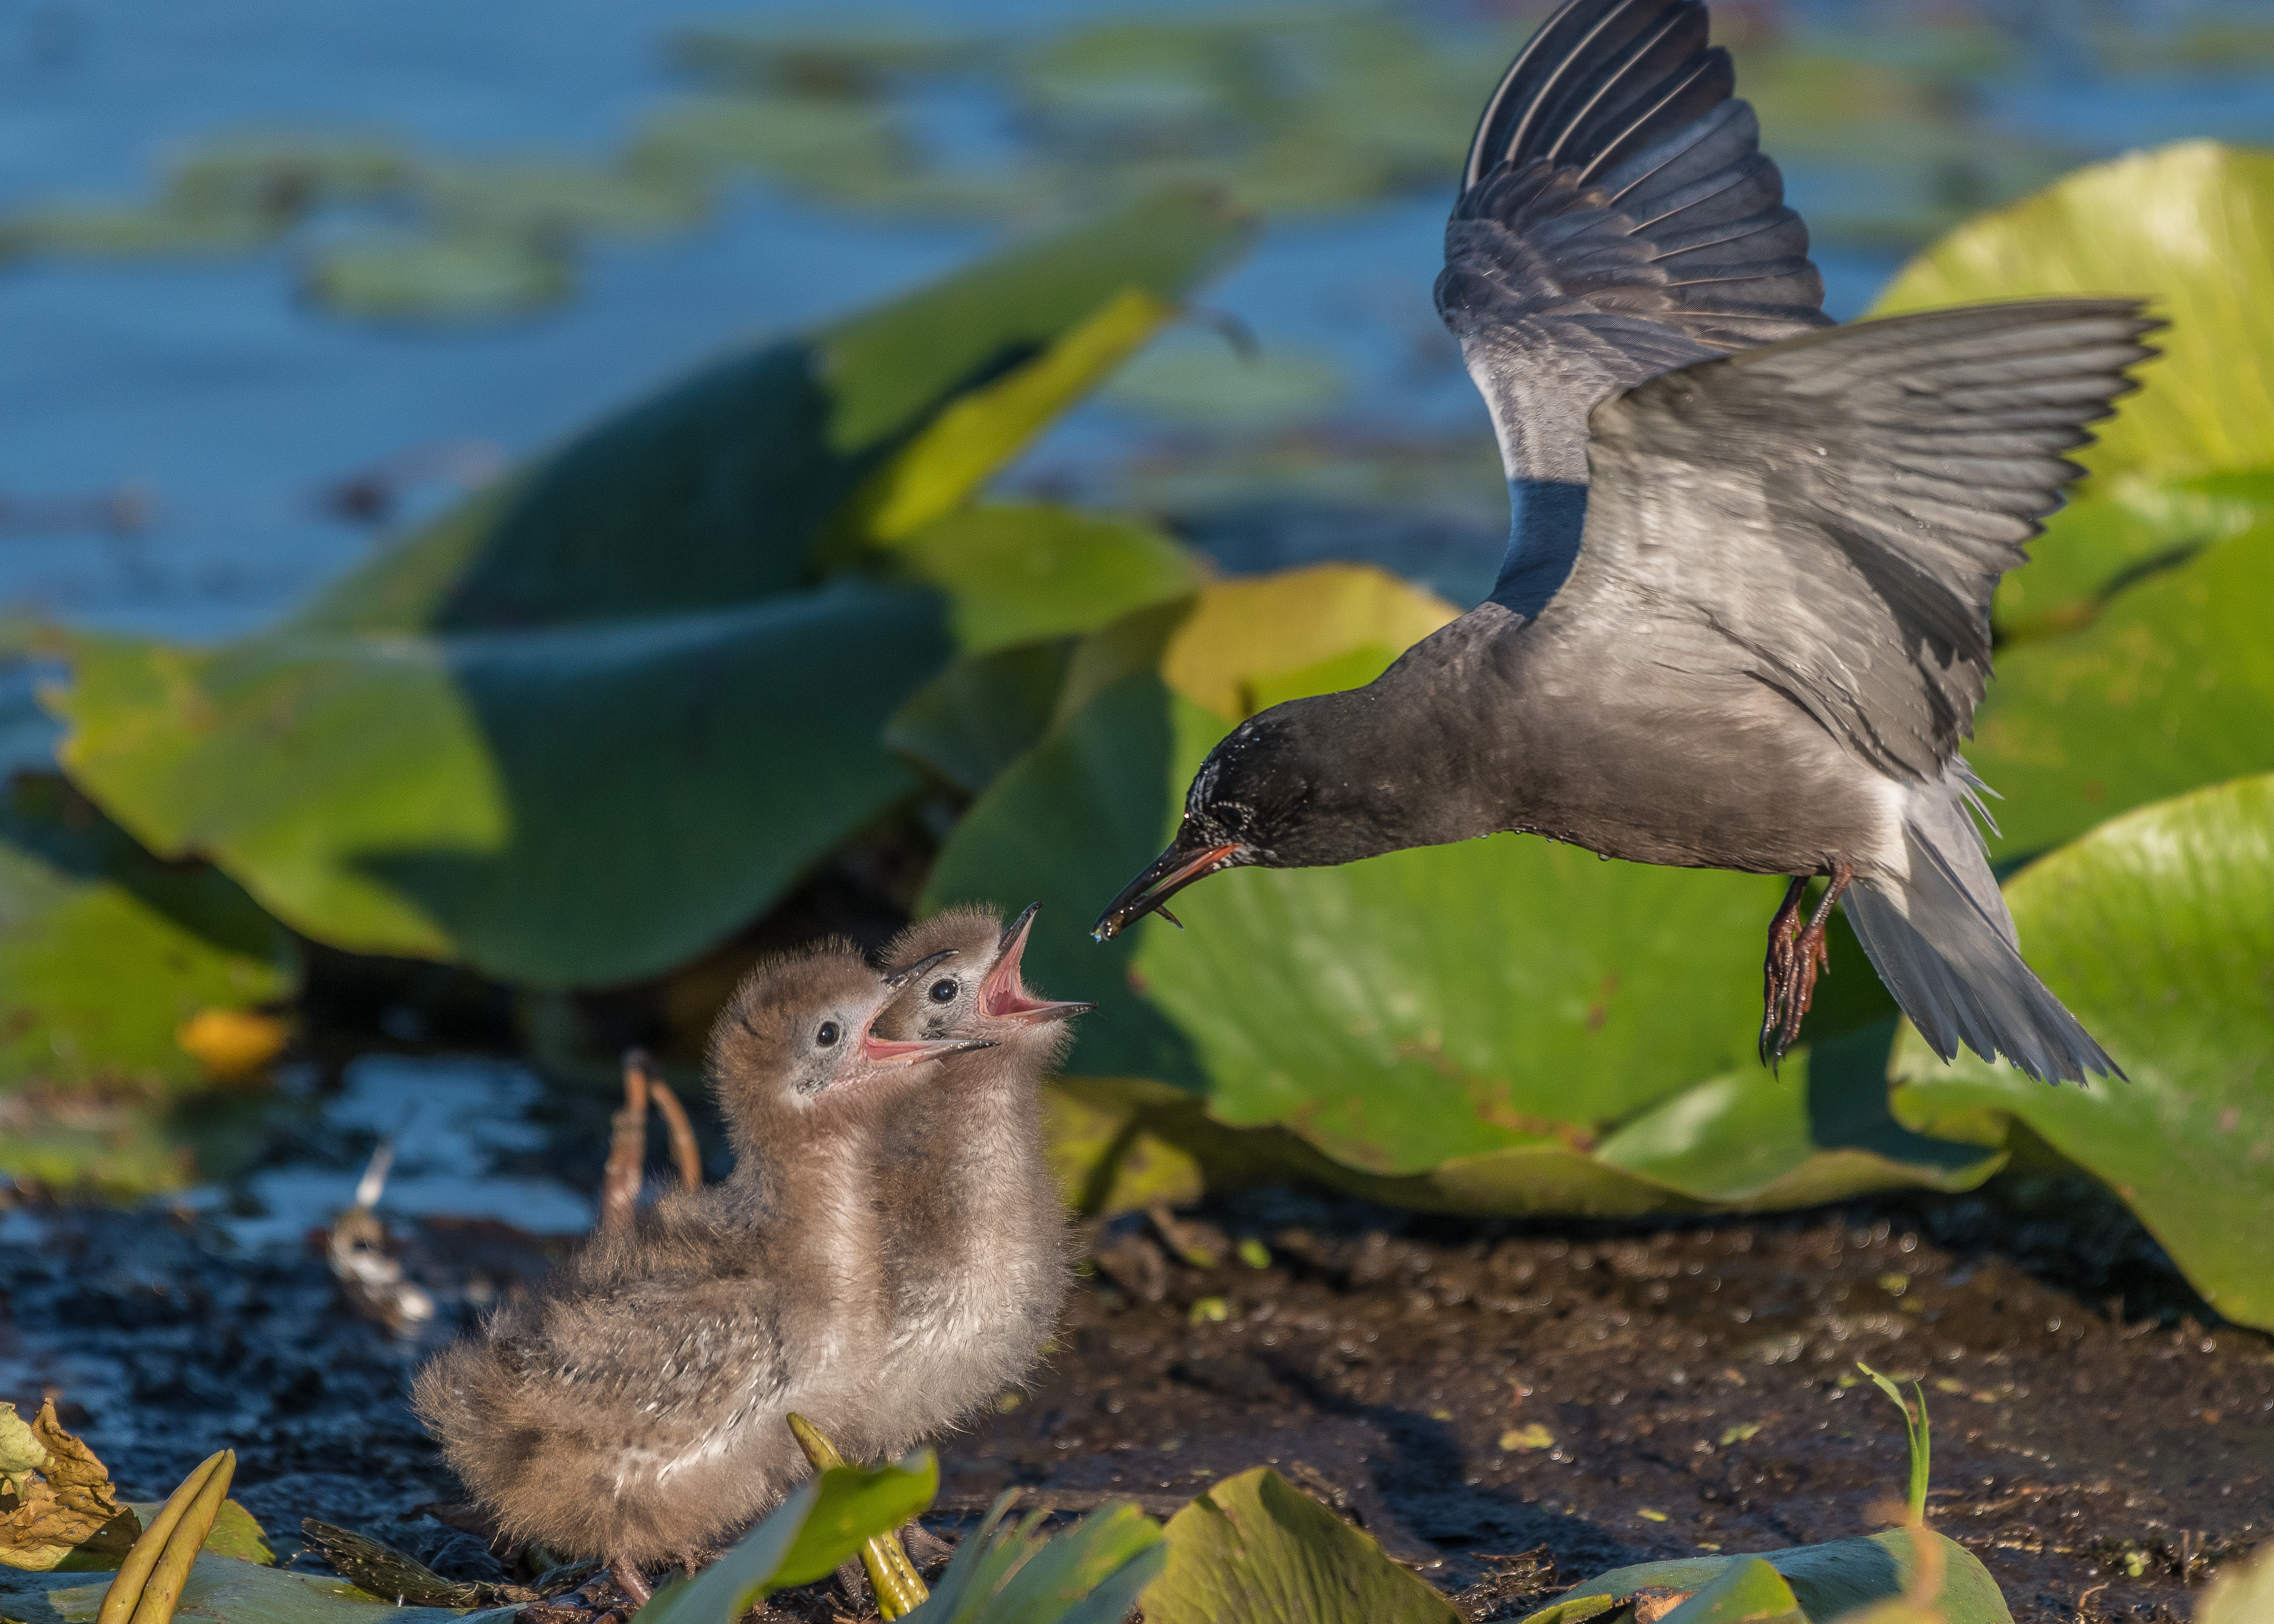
(619, 1185)
(684, 1152)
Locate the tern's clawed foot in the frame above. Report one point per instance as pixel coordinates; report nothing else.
(1798, 955)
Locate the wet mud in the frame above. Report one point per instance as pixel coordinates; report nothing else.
(1511, 1408)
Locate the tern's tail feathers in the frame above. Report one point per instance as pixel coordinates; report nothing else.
(1944, 943)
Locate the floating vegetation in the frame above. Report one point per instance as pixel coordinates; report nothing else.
(1294, 110)
(469, 276)
(1197, 380)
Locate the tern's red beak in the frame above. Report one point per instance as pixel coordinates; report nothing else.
(1169, 873)
(1003, 996)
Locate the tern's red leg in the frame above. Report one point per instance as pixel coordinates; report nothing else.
(1809, 955)
(1777, 972)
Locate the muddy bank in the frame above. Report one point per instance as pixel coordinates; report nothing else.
(1467, 1392)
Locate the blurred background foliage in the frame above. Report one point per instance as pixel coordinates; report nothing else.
(879, 615)
(1294, 110)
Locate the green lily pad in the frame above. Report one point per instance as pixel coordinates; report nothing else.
(2094, 550)
(1198, 380)
(276, 178)
(850, 58)
(106, 953)
(127, 231)
(1747, 1591)
(576, 806)
(2171, 686)
(236, 1532)
(1825, 1582)
(230, 196)
(2190, 226)
(223, 1590)
(542, 195)
(995, 419)
(2241, 1594)
(1020, 575)
(1254, 1548)
(722, 487)
(1817, 1128)
(469, 276)
(607, 710)
(2158, 930)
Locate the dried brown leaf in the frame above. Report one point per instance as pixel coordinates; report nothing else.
(69, 1504)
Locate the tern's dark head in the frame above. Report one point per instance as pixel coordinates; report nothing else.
(1305, 784)
(794, 1049)
(958, 977)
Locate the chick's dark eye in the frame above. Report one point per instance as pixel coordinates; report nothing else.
(828, 1035)
(944, 991)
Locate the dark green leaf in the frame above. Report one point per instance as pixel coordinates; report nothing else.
(977, 716)
(1818, 1129)
(1091, 1572)
(602, 715)
(2096, 549)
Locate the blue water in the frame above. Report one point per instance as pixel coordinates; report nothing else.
(210, 406)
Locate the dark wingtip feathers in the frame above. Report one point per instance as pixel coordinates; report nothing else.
(1596, 76)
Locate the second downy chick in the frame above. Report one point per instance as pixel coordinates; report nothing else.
(632, 1406)
(974, 1229)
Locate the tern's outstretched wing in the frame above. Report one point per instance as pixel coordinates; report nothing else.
(1617, 218)
(1831, 514)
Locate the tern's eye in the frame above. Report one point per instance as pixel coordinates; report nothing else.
(944, 990)
(829, 1033)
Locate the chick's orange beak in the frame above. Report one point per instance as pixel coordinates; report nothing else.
(894, 1052)
(1003, 995)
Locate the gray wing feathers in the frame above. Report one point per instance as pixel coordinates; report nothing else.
(1597, 77)
(1838, 507)
(1617, 219)
(1943, 942)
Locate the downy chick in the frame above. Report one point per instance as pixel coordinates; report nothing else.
(633, 1407)
(975, 1229)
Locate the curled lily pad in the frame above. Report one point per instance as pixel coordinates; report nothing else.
(1254, 1547)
